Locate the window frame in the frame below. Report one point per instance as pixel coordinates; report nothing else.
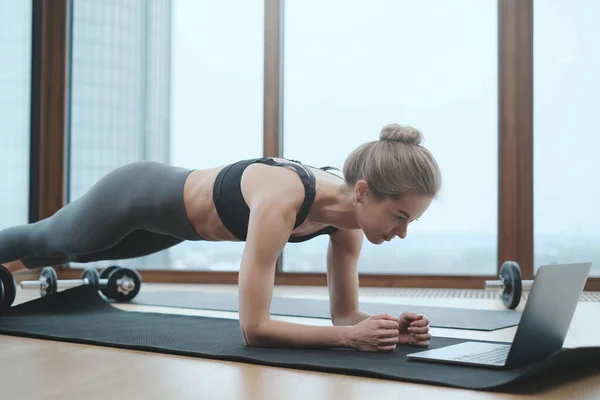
(50, 133)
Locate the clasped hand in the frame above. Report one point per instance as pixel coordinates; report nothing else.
(383, 332)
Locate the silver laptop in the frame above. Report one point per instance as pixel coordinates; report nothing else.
(542, 329)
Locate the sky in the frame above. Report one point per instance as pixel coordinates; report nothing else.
(15, 59)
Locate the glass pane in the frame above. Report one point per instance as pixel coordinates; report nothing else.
(178, 82)
(566, 140)
(15, 87)
(428, 64)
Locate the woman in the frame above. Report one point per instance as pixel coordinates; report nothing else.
(145, 207)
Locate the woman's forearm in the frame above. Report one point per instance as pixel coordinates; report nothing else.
(274, 333)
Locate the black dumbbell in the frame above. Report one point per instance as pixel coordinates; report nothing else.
(104, 275)
(8, 289)
(121, 284)
(511, 283)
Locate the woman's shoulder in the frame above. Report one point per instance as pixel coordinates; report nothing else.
(273, 187)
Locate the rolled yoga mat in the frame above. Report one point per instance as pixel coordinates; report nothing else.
(439, 317)
(81, 315)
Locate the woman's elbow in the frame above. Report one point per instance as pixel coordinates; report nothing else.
(252, 334)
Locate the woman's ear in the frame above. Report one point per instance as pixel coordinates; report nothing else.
(361, 189)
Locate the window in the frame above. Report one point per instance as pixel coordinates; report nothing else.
(15, 81)
(179, 82)
(431, 65)
(566, 134)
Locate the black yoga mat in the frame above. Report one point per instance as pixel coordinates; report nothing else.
(439, 317)
(81, 315)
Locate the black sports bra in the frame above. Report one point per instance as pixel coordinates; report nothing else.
(235, 213)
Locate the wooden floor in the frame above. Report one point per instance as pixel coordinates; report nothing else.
(39, 369)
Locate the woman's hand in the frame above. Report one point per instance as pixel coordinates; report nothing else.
(414, 329)
(376, 333)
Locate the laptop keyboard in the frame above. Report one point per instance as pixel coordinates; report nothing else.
(496, 356)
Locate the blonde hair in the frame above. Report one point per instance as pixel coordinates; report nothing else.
(394, 166)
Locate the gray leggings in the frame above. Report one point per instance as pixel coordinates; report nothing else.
(133, 211)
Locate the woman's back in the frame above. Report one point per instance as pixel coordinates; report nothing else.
(216, 203)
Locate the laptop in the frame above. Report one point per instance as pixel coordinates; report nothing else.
(542, 329)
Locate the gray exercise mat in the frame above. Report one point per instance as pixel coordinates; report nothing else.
(439, 317)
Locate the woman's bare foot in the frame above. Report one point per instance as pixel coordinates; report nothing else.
(15, 266)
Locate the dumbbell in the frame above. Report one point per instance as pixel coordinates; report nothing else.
(122, 284)
(8, 289)
(511, 283)
(117, 283)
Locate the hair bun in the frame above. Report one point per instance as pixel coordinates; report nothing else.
(400, 133)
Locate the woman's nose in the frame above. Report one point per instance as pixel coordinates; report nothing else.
(401, 231)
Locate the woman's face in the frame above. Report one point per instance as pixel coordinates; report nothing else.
(383, 220)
